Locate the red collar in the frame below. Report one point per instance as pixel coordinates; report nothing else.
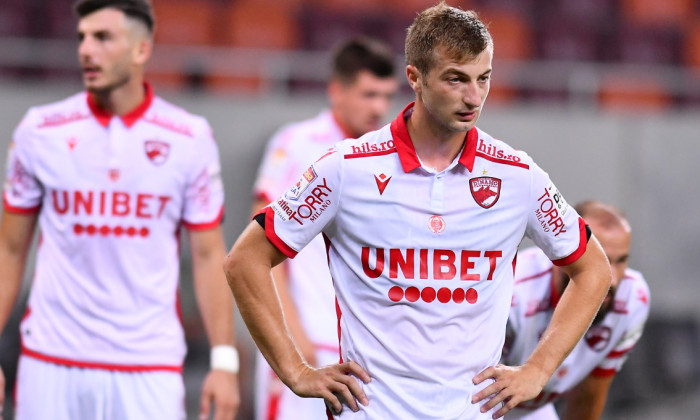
(103, 116)
(407, 152)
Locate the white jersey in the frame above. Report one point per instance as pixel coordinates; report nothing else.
(111, 194)
(291, 150)
(422, 260)
(602, 351)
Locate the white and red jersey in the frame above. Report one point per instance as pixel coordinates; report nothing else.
(602, 351)
(422, 261)
(112, 194)
(291, 150)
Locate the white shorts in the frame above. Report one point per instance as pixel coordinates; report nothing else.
(50, 391)
(546, 412)
(274, 401)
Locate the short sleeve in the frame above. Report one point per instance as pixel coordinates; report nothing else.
(307, 207)
(614, 361)
(276, 167)
(204, 193)
(22, 192)
(552, 224)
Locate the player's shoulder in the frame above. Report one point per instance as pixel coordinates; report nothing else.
(636, 288)
(374, 143)
(176, 119)
(320, 129)
(496, 150)
(54, 114)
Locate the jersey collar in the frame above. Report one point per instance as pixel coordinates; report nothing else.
(103, 116)
(407, 152)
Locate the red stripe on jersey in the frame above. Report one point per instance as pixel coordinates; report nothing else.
(503, 161)
(370, 154)
(339, 314)
(19, 210)
(274, 396)
(534, 276)
(619, 353)
(272, 235)
(96, 365)
(602, 373)
(206, 226)
(583, 241)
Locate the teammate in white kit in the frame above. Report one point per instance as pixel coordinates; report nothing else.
(111, 174)
(422, 219)
(585, 376)
(360, 89)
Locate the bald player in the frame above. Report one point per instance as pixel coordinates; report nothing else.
(583, 379)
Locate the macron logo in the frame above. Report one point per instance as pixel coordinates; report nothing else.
(382, 182)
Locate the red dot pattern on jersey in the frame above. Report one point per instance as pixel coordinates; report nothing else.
(412, 294)
(444, 295)
(428, 295)
(104, 230)
(472, 296)
(396, 293)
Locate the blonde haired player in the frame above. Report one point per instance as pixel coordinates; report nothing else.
(111, 174)
(584, 378)
(422, 220)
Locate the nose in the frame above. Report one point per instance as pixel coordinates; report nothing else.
(85, 47)
(472, 95)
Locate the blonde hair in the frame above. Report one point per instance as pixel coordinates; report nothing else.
(459, 32)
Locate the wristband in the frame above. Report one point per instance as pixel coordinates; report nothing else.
(224, 357)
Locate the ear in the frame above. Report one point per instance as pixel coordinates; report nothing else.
(335, 92)
(142, 51)
(415, 78)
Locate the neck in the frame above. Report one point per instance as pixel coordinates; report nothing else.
(436, 146)
(121, 100)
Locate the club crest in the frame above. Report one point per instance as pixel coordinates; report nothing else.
(157, 151)
(485, 190)
(598, 337)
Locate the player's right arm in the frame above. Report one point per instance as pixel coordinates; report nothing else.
(247, 269)
(281, 279)
(16, 231)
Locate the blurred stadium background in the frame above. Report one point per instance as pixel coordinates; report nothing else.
(604, 94)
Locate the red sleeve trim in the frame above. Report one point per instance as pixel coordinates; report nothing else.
(603, 373)
(618, 353)
(97, 365)
(19, 210)
(206, 226)
(272, 235)
(583, 241)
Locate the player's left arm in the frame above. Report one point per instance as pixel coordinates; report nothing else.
(590, 280)
(216, 307)
(587, 400)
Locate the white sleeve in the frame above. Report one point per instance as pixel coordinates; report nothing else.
(22, 192)
(307, 207)
(553, 225)
(204, 193)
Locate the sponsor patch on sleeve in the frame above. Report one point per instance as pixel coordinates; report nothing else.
(558, 199)
(304, 181)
